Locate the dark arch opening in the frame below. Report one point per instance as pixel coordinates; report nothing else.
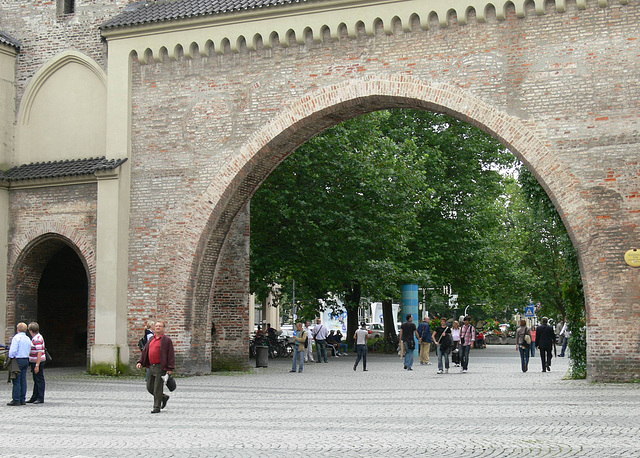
(63, 296)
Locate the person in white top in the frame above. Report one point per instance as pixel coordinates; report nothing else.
(320, 333)
(308, 355)
(361, 336)
(565, 333)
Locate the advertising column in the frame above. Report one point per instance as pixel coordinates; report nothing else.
(410, 305)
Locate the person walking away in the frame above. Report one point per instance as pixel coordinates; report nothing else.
(442, 337)
(159, 357)
(37, 359)
(320, 333)
(545, 339)
(425, 340)
(522, 345)
(565, 333)
(533, 341)
(308, 355)
(361, 336)
(407, 332)
(299, 348)
(455, 349)
(467, 336)
(20, 349)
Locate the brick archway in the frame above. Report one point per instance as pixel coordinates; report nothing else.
(39, 291)
(214, 214)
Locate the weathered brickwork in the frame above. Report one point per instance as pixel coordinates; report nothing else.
(216, 126)
(561, 90)
(42, 221)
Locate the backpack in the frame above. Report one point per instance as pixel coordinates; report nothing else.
(142, 343)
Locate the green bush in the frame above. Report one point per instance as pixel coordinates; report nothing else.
(578, 347)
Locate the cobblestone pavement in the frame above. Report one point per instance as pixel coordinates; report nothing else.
(329, 410)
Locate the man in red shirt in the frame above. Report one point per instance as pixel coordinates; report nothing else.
(159, 357)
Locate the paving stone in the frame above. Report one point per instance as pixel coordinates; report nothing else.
(494, 410)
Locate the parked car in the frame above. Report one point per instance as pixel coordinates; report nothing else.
(375, 330)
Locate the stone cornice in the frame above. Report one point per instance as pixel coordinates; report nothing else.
(303, 21)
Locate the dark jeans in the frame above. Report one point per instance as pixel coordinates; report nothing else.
(524, 358)
(362, 354)
(565, 341)
(38, 381)
(155, 384)
(464, 356)
(20, 382)
(321, 348)
(545, 356)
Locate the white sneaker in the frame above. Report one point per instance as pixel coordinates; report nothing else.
(439, 372)
(464, 371)
(446, 371)
(428, 364)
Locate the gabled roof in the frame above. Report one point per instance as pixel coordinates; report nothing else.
(149, 11)
(58, 169)
(7, 39)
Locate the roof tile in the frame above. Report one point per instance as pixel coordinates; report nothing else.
(58, 169)
(9, 40)
(148, 11)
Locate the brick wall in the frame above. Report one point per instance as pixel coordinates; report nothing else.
(208, 130)
(41, 221)
(43, 33)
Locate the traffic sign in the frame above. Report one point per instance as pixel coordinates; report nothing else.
(529, 311)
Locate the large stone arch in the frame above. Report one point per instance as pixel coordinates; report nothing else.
(217, 209)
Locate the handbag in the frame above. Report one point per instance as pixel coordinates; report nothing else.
(171, 383)
(526, 340)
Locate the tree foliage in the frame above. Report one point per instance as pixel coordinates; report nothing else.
(405, 196)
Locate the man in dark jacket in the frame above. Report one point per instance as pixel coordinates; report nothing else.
(159, 357)
(545, 339)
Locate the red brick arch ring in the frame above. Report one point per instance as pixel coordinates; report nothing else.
(190, 247)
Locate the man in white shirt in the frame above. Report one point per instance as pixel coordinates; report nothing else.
(308, 355)
(20, 349)
(320, 333)
(361, 336)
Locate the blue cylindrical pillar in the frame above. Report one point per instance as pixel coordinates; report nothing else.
(410, 305)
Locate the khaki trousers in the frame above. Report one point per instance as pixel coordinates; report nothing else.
(425, 348)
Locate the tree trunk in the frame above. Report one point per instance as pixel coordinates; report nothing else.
(389, 320)
(352, 304)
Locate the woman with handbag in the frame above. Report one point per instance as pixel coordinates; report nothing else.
(523, 342)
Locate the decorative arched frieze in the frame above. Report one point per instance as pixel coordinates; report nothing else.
(309, 21)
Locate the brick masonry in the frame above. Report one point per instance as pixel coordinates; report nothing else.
(560, 90)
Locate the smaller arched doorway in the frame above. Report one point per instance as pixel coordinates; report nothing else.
(52, 288)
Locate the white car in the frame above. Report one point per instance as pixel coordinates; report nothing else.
(375, 330)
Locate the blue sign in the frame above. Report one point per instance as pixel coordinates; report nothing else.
(529, 311)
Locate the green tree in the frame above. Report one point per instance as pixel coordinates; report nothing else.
(337, 214)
